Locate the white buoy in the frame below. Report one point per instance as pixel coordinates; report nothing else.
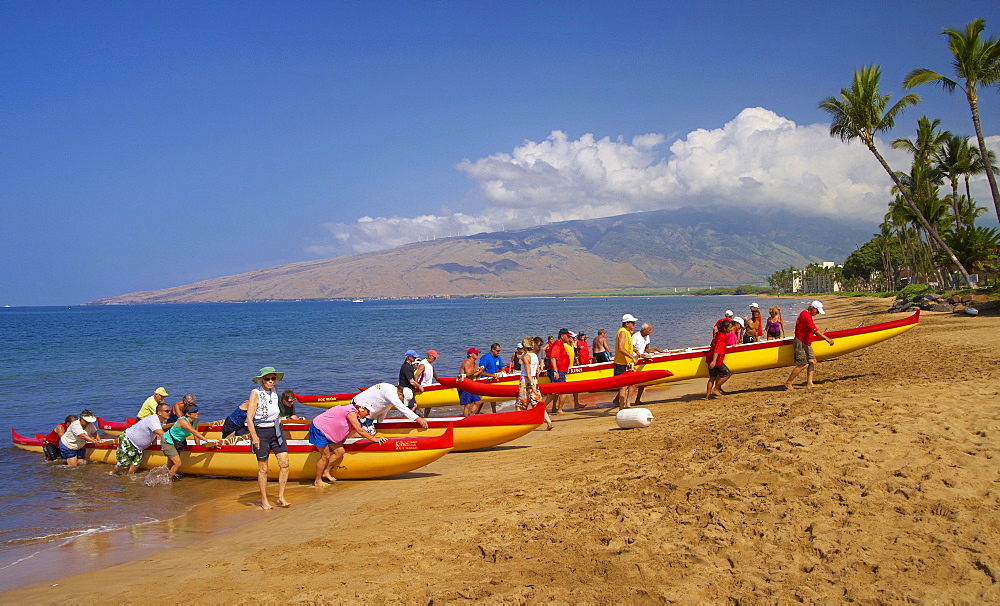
(972, 311)
(634, 417)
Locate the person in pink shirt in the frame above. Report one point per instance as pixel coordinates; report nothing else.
(330, 430)
(805, 329)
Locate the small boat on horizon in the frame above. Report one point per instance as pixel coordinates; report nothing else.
(358, 301)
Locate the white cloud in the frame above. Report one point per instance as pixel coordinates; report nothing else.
(759, 160)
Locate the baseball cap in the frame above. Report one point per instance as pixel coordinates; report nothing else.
(407, 395)
(629, 318)
(729, 313)
(565, 331)
(472, 350)
(754, 306)
(519, 346)
(739, 320)
(161, 391)
(433, 352)
(818, 305)
(410, 352)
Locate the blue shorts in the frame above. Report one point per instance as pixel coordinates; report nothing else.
(316, 437)
(556, 376)
(271, 440)
(465, 397)
(66, 453)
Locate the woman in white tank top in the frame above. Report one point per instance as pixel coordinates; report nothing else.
(528, 395)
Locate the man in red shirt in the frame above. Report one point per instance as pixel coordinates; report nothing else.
(560, 358)
(805, 329)
(718, 372)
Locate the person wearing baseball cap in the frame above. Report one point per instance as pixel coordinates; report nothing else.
(407, 372)
(73, 443)
(805, 333)
(470, 369)
(149, 406)
(625, 358)
(426, 374)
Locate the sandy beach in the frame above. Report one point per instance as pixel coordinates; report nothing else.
(880, 485)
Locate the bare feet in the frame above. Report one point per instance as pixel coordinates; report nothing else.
(811, 386)
(283, 503)
(789, 386)
(320, 483)
(266, 506)
(329, 478)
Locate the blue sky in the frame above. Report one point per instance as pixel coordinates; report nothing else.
(153, 144)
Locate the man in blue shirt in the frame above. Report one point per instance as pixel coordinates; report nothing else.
(491, 364)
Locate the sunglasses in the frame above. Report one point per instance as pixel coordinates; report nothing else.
(269, 379)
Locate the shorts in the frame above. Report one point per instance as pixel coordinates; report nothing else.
(620, 368)
(51, 452)
(128, 453)
(556, 376)
(317, 438)
(271, 440)
(719, 371)
(66, 453)
(229, 428)
(803, 353)
(602, 356)
(749, 338)
(465, 397)
(170, 449)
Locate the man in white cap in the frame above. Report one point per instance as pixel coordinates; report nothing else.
(728, 316)
(379, 398)
(805, 330)
(625, 358)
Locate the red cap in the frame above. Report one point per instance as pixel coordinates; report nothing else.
(432, 352)
(472, 350)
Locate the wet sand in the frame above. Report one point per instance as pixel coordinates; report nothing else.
(880, 485)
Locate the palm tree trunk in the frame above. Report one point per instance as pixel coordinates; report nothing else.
(954, 202)
(920, 216)
(970, 94)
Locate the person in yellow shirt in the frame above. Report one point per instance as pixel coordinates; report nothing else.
(149, 406)
(625, 358)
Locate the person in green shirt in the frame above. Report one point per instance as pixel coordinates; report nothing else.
(149, 406)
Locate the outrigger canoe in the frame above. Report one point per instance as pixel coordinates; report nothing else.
(685, 364)
(471, 433)
(363, 459)
(509, 390)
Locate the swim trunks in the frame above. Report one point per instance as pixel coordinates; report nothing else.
(127, 453)
(465, 397)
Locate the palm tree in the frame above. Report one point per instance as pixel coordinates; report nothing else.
(926, 144)
(860, 113)
(954, 159)
(977, 63)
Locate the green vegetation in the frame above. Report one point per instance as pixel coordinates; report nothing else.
(929, 233)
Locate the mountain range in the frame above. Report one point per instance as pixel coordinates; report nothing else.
(689, 247)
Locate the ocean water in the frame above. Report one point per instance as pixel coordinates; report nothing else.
(60, 360)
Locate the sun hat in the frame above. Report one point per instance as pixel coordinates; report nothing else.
(472, 350)
(818, 305)
(268, 370)
(729, 313)
(629, 318)
(88, 416)
(161, 391)
(433, 352)
(410, 354)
